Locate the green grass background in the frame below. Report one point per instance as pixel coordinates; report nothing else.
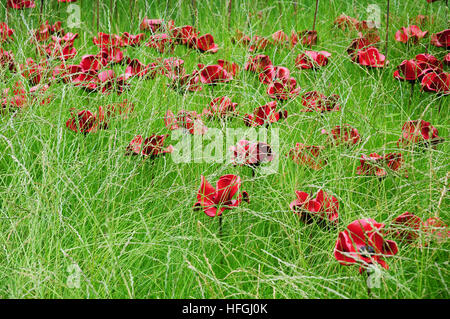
(128, 224)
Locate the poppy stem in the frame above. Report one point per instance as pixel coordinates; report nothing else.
(194, 13)
(229, 14)
(411, 93)
(41, 8)
(253, 171)
(98, 15)
(314, 22)
(387, 31)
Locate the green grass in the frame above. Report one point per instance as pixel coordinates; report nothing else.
(128, 224)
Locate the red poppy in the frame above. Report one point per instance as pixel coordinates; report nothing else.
(6, 34)
(84, 122)
(152, 146)
(375, 164)
(231, 67)
(371, 57)
(323, 208)
(14, 98)
(186, 35)
(221, 107)
(318, 102)
(257, 63)
(90, 64)
(272, 73)
(38, 93)
(152, 25)
(67, 1)
(132, 40)
(122, 109)
(408, 70)
(7, 60)
(436, 82)
(283, 89)
(447, 59)
(362, 42)
(307, 38)
(173, 67)
(441, 39)
(363, 243)
(187, 82)
(406, 227)
(308, 155)
(343, 22)
(419, 132)
(32, 71)
(258, 43)
(103, 40)
(343, 135)
(20, 4)
(186, 120)
(265, 114)
(111, 55)
(62, 51)
(247, 153)
(214, 201)
(436, 229)
(280, 38)
(205, 43)
(312, 59)
(213, 74)
(410, 34)
(422, 19)
(161, 42)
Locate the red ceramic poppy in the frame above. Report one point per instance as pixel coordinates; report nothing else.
(344, 22)
(419, 132)
(411, 34)
(362, 42)
(312, 59)
(343, 135)
(231, 67)
(122, 109)
(128, 39)
(441, 39)
(39, 93)
(408, 70)
(152, 146)
(308, 155)
(221, 107)
(14, 98)
(422, 19)
(186, 35)
(152, 25)
(406, 227)
(363, 243)
(307, 38)
(371, 57)
(186, 120)
(205, 43)
(315, 101)
(377, 165)
(161, 42)
(214, 201)
(6, 34)
(247, 153)
(265, 115)
(280, 38)
(283, 89)
(272, 73)
(188, 82)
(32, 71)
(7, 60)
(213, 74)
(447, 59)
(111, 55)
(84, 122)
(257, 63)
(436, 82)
(258, 43)
(322, 209)
(436, 229)
(20, 4)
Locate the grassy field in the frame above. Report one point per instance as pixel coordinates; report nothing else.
(69, 201)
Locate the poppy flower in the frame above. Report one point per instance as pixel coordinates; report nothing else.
(90, 64)
(280, 38)
(188, 82)
(265, 114)
(315, 101)
(152, 146)
(406, 227)
(408, 70)
(128, 39)
(240, 38)
(283, 89)
(85, 122)
(38, 93)
(247, 153)
(111, 55)
(172, 67)
(312, 59)
(136, 68)
(411, 34)
(371, 57)
(308, 155)
(6, 34)
(32, 71)
(344, 22)
(104, 40)
(441, 39)
(365, 25)
(205, 43)
(20, 4)
(214, 201)
(322, 209)
(363, 243)
(112, 110)
(376, 165)
(161, 42)
(186, 35)
(63, 52)
(436, 229)
(258, 43)
(272, 73)
(213, 74)
(231, 67)
(109, 82)
(306, 37)
(436, 82)
(186, 120)
(7, 60)
(419, 132)
(422, 19)
(447, 59)
(362, 42)
(343, 135)
(221, 107)
(14, 98)
(152, 25)
(257, 63)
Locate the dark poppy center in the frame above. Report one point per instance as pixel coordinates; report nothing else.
(366, 251)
